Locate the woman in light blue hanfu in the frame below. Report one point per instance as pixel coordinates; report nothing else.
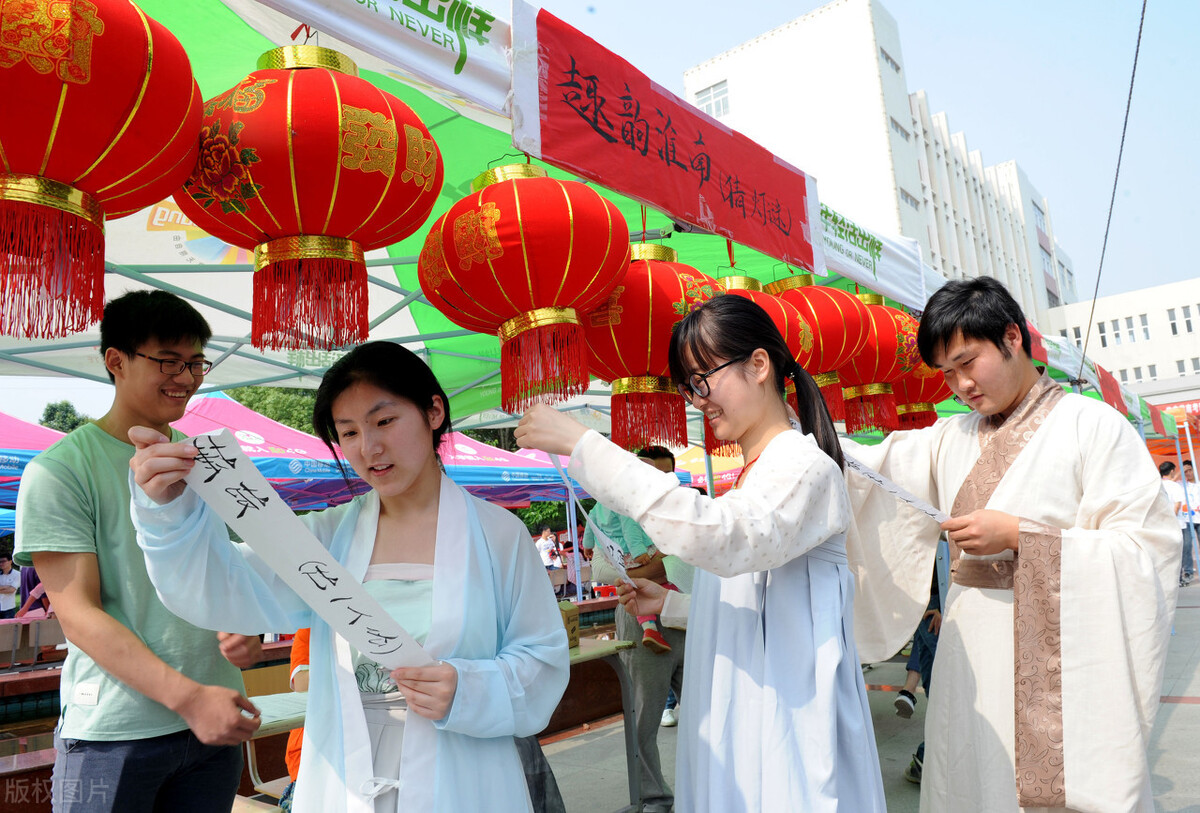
(459, 574)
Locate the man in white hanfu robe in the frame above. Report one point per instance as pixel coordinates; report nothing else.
(1066, 560)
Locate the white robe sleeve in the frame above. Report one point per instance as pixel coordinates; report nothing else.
(792, 501)
(515, 693)
(1119, 576)
(891, 546)
(209, 581)
(675, 610)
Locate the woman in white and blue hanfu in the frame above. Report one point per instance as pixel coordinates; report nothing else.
(774, 708)
(459, 574)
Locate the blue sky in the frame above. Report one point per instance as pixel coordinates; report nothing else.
(1044, 83)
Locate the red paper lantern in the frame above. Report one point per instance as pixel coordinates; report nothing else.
(840, 323)
(920, 390)
(310, 166)
(629, 337)
(100, 114)
(522, 257)
(890, 353)
(796, 332)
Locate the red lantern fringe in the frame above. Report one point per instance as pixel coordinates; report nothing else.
(51, 271)
(641, 419)
(717, 447)
(543, 364)
(832, 393)
(868, 412)
(918, 419)
(313, 302)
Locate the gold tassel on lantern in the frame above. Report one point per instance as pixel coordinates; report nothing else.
(647, 410)
(543, 356)
(309, 291)
(51, 258)
(871, 406)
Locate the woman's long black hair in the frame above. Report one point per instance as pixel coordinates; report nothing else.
(732, 327)
(388, 366)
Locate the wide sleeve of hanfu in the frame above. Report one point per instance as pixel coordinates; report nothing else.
(207, 580)
(792, 501)
(891, 546)
(514, 693)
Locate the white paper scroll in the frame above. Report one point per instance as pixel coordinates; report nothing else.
(610, 550)
(225, 478)
(896, 491)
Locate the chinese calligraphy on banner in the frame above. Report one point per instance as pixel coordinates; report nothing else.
(578, 106)
(225, 478)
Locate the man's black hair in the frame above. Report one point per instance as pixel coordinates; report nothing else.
(979, 308)
(1165, 468)
(658, 453)
(135, 318)
(545, 528)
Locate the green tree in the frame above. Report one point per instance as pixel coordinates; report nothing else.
(291, 407)
(61, 415)
(500, 438)
(553, 514)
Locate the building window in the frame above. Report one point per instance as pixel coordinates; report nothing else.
(1047, 262)
(1181, 367)
(1171, 319)
(1187, 318)
(1124, 376)
(1116, 331)
(1196, 364)
(1078, 338)
(714, 99)
(910, 200)
(1152, 370)
(1129, 329)
(899, 129)
(1039, 217)
(891, 63)
(1137, 374)
(1051, 299)
(1103, 338)
(1145, 326)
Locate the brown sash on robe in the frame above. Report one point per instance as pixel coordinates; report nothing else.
(1034, 576)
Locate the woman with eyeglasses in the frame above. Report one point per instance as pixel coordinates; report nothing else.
(776, 716)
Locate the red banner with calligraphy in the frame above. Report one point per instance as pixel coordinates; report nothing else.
(580, 107)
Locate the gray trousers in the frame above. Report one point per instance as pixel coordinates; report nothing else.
(652, 676)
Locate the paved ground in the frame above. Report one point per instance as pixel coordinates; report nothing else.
(590, 767)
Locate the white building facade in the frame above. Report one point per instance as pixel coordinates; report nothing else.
(879, 155)
(1149, 339)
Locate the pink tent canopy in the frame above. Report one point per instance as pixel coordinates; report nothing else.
(20, 442)
(297, 464)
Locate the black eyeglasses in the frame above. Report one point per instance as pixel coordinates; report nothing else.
(697, 383)
(177, 366)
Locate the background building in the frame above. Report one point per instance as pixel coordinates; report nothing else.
(827, 92)
(1149, 338)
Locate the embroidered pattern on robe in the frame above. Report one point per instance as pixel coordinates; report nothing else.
(1035, 578)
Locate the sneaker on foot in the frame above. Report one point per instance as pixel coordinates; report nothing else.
(670, 718)
(913, 772)
(905, 703)
(652, 639)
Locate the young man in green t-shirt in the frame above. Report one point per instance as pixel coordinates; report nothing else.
(152, 715)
